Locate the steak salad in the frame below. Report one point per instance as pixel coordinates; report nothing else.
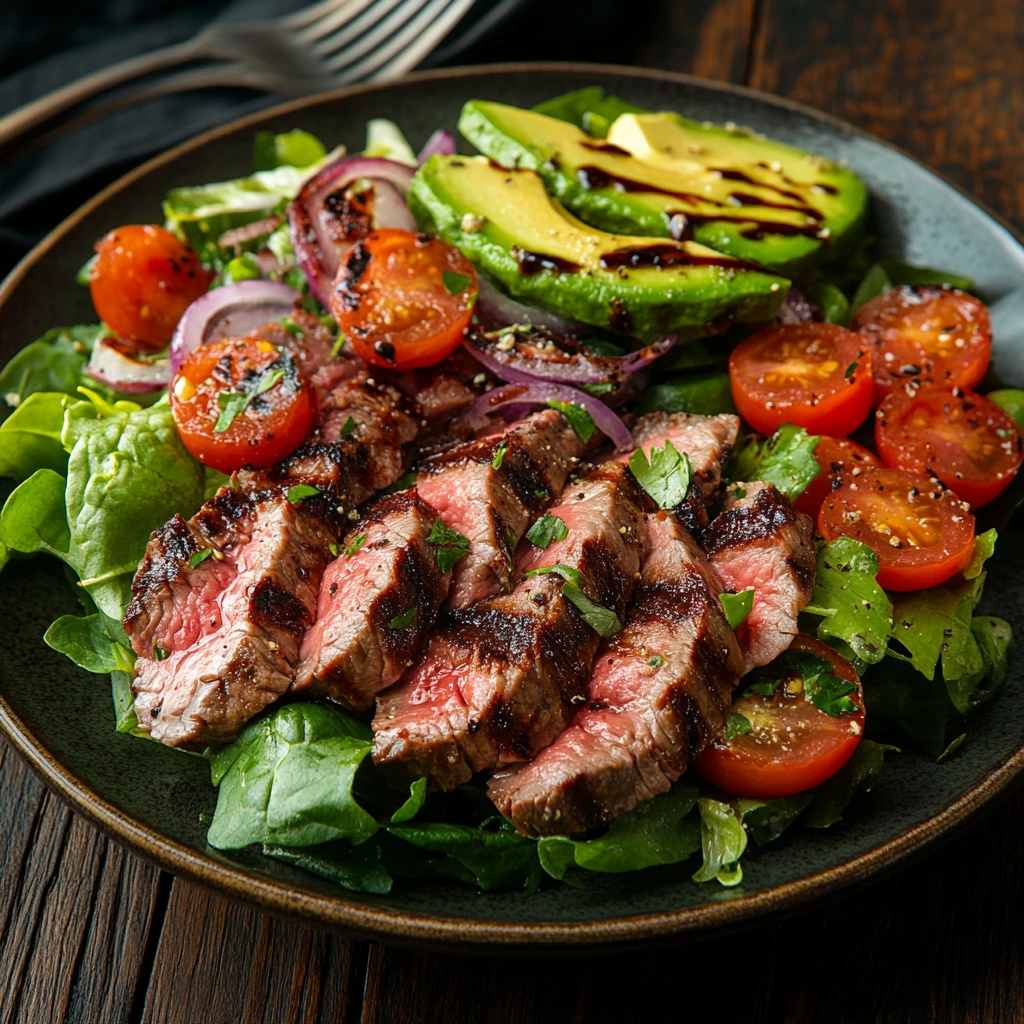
(589, 503)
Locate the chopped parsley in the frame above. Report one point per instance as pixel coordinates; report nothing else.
(545, 530)
(850, 370)
(655, 660)
(347, 427)
(499, 454)
(455, 284)
(737, 606)
(737, 725)
(785, 460)
(160, 653)
(666, 478)
(198, 557)
(290, 326)
(451, 545)
(567, 572)
(817, 680)
(339, 344)
(603, 621)
(602, 387)
(354, 545)
(300, 492)
(403, 621)
(334, 550)
(579, 419)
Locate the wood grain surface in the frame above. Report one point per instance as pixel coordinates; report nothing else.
(89, 934)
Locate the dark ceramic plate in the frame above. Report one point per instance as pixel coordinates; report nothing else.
(151, 798)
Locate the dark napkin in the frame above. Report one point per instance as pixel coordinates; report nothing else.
(40, 187)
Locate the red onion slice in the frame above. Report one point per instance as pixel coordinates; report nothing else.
(495, 309)
(317, 251)
(113, 363)
(795, 309)
(541, 392)
(233, 310)
(247, 232)
(440, 143)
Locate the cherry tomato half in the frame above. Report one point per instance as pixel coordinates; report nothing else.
(404, 299)
(835, 455)
(922, 533)
(792, 746)
(143, 279)
(817, 376)
(924, 333)
(241, 402)
(965, 440)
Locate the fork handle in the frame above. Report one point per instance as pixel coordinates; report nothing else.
(46, 108)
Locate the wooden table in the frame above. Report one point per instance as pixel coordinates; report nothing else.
(88, 933)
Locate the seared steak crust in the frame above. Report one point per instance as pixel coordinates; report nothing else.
(353, 651)
(219, 640)
(491, 489)
(501, 679)
(660, 691)
(761, 541)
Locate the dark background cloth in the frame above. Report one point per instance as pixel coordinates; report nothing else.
(40, 52)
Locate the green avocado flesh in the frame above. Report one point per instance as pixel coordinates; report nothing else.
(740, 194)
(509, 226)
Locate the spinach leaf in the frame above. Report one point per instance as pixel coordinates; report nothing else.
(124, 702)
(413, 803)
(898, 696)
(1011, 401)
(766, 820)
(30, 436)
(993, 637)
(34, 517)
(737, 606)
(854, 608)
(858, 775)
(834, 305)
(358, 868)
(888, 274)
(94, 642)
(53, 363)
(494, 856)
(786, 460)
(666, 478)
(707, 394)
(722, 840)
(658, 831)
(545, 530)
(451, 545)
(287, 780)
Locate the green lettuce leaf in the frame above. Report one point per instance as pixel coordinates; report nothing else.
(766, 820)
(1011, 401)
(34, 518)
(30, 436)
(94, 642)
(723, 841)
(385, 139)
(358, 868)
(287, 781)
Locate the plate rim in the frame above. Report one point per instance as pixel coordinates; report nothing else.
(418, 927)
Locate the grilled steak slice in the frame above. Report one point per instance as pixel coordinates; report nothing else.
(310, 344)
(500, 679)
(491, 489)
(219, 639)
(761, 541)
(660, 690)
(355, 648)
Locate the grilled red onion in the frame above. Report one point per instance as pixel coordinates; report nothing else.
(495, 309)
(441, 142)
(308, 215)
(540, 393)
(113, 363)
(795, 309)
(233, 310)
(247, 232)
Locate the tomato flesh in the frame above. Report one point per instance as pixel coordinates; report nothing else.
(817, 376)
(835, 455)
(404, 299)
(965, 440)
(239, 402)
(922, 532)
(925, 334)
(792, 746)
(143, 280)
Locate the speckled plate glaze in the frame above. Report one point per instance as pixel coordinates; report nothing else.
(151, 798)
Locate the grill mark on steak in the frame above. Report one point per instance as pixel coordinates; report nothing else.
(761, 541)
(642, 723)
(352, 653)
(493, 507)
(500, 680)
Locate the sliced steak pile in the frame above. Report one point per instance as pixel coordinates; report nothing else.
(217, 636)
(364, 637)
(761, 541)
(500, 680)
(660, 690)
(491, 489)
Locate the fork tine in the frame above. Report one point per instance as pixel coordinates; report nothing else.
(308, 15)
(360, 26)
(407, 12)
(335, 16)
(406, 47)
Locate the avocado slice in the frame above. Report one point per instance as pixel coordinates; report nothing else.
(507, 224)
(664, 175)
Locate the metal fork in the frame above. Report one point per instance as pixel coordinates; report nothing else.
(329, 44)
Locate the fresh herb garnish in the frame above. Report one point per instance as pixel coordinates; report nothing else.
(347, 427)
(499, 454)
(850, 370)
(290, 326)
(455, 284)
(334, 550)
(354, 545)
(785, 460)
(579, 419)
(602, 387)
(655, 660)
(545, 530)
(300, 492)
(567, 572)
(737, 725)
(339, 344)
(604, 621)
(451, 545)
(666, 478)
(401, 484)
(818, 681)
(232, 404)
(737, 606)
(403, 621)
(268, 380)
(160, 653)
(198, 557)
